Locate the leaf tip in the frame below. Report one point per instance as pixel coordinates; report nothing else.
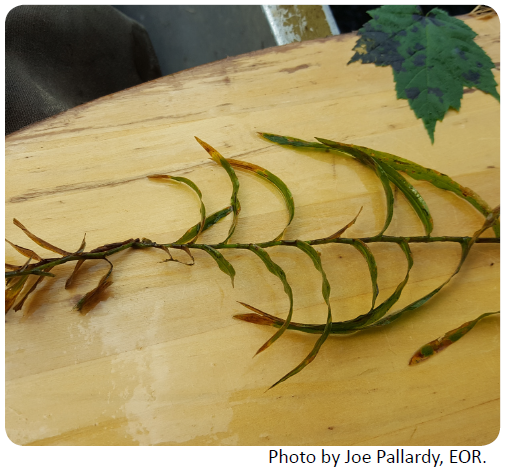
(262, 348)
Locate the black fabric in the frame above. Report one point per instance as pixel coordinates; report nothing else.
(58, 57)
(352, 17)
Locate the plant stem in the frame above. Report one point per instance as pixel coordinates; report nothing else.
(136, 243)
(344, 241)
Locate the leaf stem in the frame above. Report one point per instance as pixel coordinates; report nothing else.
(144, 243)
(344, 241)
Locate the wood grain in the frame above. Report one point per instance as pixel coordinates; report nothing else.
(161, 360)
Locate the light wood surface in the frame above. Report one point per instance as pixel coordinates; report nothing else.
(161, 360)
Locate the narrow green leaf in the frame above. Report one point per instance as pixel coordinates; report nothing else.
(434, 177)
(223, 264)
(37, 272)
(366, 160)
(326, 289)
(412, 169)
(384, 179)
(419, 172)
(420, 302)
(363, 321)
(28, 272)
(103, 284)
(278, 272)
(414, 198)
(466, 245)
(352, 150)
(192, 185)
(376, 318)
(236, 207)
(273, 179)
(439, 344)
(361, 156)
(292, 141)
(372, 266)
(209, 222)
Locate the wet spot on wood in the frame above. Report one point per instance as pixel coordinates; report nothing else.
(295, 69)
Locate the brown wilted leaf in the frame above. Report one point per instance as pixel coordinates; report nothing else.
(187, 251)
(19, 305)
(259, 318)
(82, 246)
(40, 241)
(439, 344)
(12, 267)
(110, 246)
(104, 283)
(12, 292)
(254, 318)
(70, 280)
(25, 251)
(340, 232)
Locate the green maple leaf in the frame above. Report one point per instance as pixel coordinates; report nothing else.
(433, 57)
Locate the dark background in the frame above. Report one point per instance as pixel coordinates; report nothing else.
(186, 36)
(60, 56)
(352, 17)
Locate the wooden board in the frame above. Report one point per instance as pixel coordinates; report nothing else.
(161, 360)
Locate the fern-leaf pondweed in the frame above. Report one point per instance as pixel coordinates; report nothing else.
(22, 280)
